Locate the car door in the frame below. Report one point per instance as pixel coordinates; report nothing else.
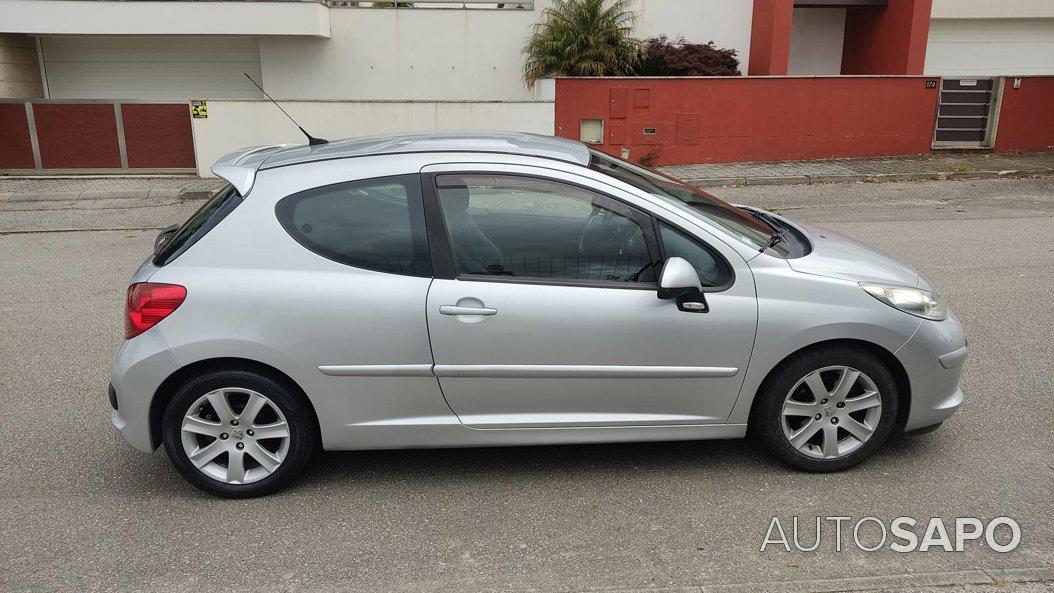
(544, 311)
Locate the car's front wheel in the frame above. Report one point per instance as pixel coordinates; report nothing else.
(238, 433)
(827, 409)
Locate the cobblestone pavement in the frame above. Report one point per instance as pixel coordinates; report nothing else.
(944, 165)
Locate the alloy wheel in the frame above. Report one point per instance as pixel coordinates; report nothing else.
(235, 435)
(831, 412)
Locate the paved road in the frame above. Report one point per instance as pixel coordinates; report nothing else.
(82, 511)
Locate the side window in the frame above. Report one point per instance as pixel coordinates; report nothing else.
(523, 227)
(377, 224)
(713, 270)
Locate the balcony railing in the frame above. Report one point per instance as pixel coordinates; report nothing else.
(473, 4)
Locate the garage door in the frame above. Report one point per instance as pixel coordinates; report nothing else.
(979, 47)
(153, 68)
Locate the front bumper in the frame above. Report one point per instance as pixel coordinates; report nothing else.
(138, 369)
(933, 359)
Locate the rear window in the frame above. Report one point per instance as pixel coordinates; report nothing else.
(199, 224)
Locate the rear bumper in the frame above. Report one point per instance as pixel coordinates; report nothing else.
(138, 369)
(933, 359)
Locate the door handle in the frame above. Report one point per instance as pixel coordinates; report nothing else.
(456, 310)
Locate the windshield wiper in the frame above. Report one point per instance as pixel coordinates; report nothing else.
(763, 218)
(777, 237)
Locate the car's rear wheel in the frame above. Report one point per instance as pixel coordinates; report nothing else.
(827, 409)
(238, 433)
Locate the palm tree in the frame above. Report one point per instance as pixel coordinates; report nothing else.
(583, 38)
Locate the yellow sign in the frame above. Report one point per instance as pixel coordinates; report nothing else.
(199, 109)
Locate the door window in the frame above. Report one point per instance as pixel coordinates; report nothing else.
(524, 227)
(377, 224)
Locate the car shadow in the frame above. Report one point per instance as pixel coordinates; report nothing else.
(714, 459)
(543, 461)
(722, 460)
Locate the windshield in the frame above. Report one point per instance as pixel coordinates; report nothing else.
(741, 224)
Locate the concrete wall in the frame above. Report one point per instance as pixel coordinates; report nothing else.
(892, 40)
(714, 120)
(770, 37)
(992, 9)
(725, 22)
(979, 47)
(816, 41)
(235, 124)
(1026, 120)
(464, 55)
(19, 67)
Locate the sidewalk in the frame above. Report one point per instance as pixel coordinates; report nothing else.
(92, 187)
(914, 168)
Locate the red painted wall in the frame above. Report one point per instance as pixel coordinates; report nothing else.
(77, 135)
(714, 120)
(887, 40)
(16, 152)
(770, 37)
(1026, 118)
(158, 136)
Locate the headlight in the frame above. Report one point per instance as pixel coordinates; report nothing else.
(921, 303)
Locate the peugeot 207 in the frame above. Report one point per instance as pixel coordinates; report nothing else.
(455, 290)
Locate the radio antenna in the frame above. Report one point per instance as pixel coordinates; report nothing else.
(311, 140)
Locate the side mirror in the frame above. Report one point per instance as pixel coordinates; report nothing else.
(680, 282)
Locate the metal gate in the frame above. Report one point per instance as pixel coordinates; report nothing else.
(964, 113)
(46, 136)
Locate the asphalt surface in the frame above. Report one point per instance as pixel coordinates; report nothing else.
(80, 510)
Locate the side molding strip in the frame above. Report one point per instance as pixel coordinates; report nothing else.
(526, 371)
(377, 370)
(558, 371)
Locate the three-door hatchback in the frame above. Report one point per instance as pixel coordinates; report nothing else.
(450, 290)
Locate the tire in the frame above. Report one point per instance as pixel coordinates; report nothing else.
(780, 414)
(266, 452)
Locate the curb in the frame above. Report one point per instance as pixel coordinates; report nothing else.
(778, 180)
(188, 195)
(865, 178)
(152, 194)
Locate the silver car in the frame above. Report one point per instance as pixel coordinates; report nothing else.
(455, 290)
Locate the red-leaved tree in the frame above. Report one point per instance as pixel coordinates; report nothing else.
(663, 57)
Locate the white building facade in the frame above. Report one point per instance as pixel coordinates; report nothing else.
(446, 51)
(991, 37)
(352, 68)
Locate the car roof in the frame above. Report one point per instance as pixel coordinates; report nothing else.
(240, 167)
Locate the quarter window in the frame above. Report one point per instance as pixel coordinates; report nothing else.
(524, 227)
(377, 224)
(713, 270)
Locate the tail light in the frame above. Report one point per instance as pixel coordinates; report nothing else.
(148, 303)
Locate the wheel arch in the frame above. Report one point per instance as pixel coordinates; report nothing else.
(168, 387)
(900, 374)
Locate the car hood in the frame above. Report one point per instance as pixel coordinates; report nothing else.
(837, 256)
